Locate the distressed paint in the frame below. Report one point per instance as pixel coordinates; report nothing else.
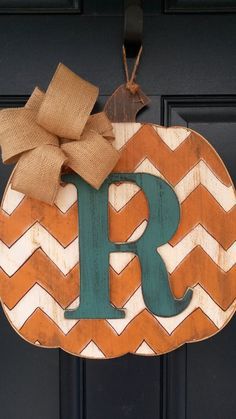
(39, 255)
(95, 248)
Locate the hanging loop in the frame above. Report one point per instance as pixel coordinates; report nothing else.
(133, 26)
(131, 85)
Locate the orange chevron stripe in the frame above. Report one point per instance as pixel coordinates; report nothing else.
(124, 222)
(201, 207)
(64, 227)
(39, 269)
(143, 327)
(198, 267)
(64, 289)
(122, 286)
(173, 165)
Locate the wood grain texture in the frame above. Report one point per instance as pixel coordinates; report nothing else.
(39, 274)
(124, 105)
(40, 7)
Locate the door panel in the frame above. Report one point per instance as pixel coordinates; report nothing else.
(210, 365)
(127, 387)
(210, 375)
(29, 383)
(188, 70)
(212, 116)
(199, 6)
(40, 6)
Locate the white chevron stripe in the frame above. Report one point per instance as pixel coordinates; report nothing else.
(120, 195)
(35, 298)
(144, 349)
(11, 200)
(200, 174)
(66, 197)
(200, 299)
(173, 256)
(138, 232)
(123, 132)
(172, 136)
(119, 260)
(92, 351)
(147, 167)
(132, 308)
(11, 259)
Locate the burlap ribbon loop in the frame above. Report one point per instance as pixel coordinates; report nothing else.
(55, 129)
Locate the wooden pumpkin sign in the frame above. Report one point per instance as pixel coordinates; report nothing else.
(143, 265)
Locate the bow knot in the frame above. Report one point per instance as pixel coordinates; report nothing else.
(53, 130)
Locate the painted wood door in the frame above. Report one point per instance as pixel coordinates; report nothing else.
(188, 70)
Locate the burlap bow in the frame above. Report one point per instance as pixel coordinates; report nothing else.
(55, 129)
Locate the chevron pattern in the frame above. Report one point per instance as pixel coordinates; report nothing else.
(39, 255)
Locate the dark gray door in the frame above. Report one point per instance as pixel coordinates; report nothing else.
(189, 71)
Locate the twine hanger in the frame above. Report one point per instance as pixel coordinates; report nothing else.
(131, 85)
